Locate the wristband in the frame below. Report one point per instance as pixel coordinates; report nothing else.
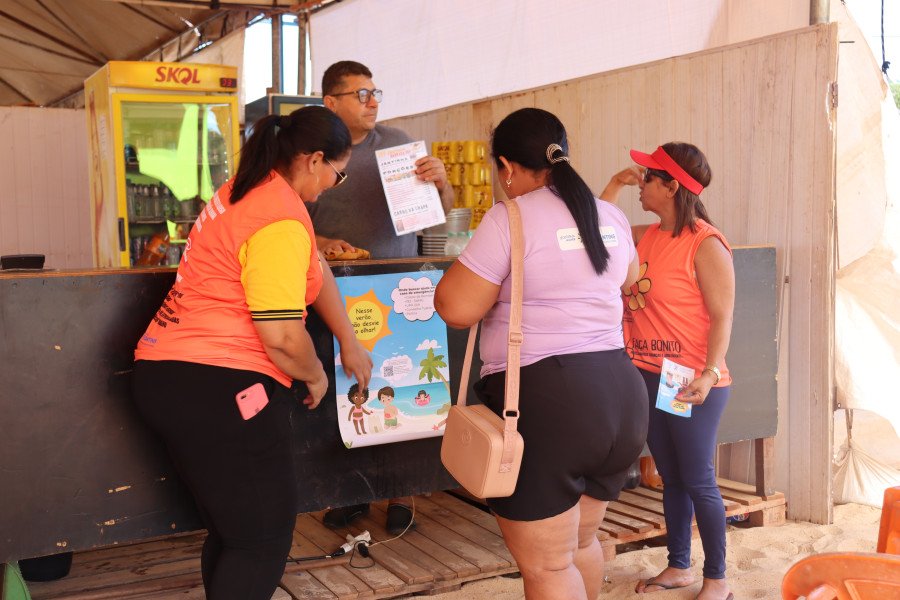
(715, 371)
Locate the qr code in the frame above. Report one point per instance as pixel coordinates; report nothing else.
(387, 371)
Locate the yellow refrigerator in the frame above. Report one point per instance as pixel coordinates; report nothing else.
(163, 137)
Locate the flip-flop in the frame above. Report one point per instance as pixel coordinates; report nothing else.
(664, 586)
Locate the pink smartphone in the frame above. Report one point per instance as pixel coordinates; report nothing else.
(252, 400)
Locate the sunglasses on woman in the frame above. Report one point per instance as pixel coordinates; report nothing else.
(656, 173)
(341, 176)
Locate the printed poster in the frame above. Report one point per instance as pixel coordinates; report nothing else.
(672, 378)
(409, 393)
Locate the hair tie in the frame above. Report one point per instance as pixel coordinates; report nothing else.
(553, 148)
(284, 121)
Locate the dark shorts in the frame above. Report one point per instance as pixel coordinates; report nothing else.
(584, 421)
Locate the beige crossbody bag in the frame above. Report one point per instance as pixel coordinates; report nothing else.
(482, 451)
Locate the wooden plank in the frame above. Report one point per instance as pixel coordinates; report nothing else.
(630, 498)
(482, 517)
(614, 530)
(461, 566)
(304, 586)
(465, 528)
(440, 533)
(653, 518)
(403, 560)
(764, 454)
(627, 522)
(375, 576)
(342, 583)
(746, 488)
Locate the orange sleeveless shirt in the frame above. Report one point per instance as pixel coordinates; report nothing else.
(205, 318)
(665, 316)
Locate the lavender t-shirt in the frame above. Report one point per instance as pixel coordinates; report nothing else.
(567, 307)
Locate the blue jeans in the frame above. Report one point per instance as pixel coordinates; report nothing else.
(684, 450)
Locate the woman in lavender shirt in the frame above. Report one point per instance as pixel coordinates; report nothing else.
(583, 405)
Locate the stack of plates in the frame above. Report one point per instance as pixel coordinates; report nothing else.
(458, 220)
(433, 244)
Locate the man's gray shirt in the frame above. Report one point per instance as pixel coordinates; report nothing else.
(357, 210)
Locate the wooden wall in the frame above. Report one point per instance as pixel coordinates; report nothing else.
(44, 199)
(762, 113)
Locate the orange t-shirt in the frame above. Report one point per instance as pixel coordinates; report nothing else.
(665, 316)
(244, 262)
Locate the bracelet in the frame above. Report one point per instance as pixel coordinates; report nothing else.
(715, 371)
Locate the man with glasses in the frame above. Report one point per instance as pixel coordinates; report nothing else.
(355, 214)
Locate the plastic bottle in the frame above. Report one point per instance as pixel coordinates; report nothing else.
(155, 250)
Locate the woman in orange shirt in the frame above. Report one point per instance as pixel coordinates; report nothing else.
(681, 309)
(214, 368)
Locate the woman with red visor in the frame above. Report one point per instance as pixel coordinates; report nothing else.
(681, 309)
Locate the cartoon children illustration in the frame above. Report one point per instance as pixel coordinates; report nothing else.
(423, 398)
(357, 413)
(386, 397)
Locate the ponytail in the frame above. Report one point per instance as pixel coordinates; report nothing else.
(277, 140)
(537, 140)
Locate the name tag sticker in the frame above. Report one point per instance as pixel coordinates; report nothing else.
(569, 239)
(608, 234)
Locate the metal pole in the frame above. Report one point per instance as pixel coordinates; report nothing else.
(819, 11)
(277, 53)
(302, 49)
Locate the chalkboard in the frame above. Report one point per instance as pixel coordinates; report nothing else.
(78, 469)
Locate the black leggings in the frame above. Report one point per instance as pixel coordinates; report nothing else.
(240, 473)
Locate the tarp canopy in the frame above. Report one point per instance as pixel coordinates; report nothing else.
(49, 47)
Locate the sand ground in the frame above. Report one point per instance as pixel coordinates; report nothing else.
(758, 557)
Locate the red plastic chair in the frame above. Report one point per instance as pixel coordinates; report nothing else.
(843, 576)
(889, 532)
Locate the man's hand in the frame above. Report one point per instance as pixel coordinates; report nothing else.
(330, 246)
(431, 168)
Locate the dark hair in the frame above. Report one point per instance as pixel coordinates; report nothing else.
(688, 206)
(277, 140)
(387, 390)
(523, 137)
(334, 75)
(354, 389)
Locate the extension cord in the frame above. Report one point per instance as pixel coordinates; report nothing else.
(352, 542)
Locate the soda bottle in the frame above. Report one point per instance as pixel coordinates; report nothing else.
(155, 250)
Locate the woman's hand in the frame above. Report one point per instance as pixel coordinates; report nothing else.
(630, 176)
(357, 363)
(329, 246)
(317, 389)
(696, 391)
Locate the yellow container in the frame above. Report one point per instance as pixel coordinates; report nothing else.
(477, 174)
(455, 174)
(473, 151)
(441, 150)
(457, 152)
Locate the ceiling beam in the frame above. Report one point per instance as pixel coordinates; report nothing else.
(152, 19)
(16, 90)
(55, 40)
(62, 22)
(91, 62)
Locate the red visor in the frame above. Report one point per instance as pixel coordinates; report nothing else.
(661, 161)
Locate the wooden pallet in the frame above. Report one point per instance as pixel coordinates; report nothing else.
(453, 543)
(638, 514)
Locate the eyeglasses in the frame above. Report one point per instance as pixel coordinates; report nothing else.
(341, 176)
(656, 173)
(363, 95)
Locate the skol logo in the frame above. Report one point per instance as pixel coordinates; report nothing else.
(182, 75)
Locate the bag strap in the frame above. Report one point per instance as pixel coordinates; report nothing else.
(514, 340)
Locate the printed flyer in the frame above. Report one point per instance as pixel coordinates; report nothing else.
(414, 204)
(409, 393)
(672, 378)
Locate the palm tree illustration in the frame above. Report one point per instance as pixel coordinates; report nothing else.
(430, 368)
